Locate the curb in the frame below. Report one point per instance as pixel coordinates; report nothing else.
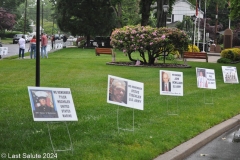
(187, 148)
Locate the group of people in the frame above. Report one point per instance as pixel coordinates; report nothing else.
(32, 47)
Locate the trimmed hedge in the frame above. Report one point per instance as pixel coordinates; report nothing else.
(232, 53)
(8, 34)
(193, 49)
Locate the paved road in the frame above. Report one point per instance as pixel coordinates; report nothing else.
(13, 49)
(221, 148)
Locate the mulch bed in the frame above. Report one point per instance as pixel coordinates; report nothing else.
(156, 65)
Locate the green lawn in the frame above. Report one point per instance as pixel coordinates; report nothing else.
(7, 41)
(95, 135)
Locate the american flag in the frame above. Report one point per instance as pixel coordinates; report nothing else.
(197, 7)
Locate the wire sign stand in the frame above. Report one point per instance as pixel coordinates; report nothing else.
(172, 109)
(209, 97)
(125, 129)
(70, 140)
(231, 91)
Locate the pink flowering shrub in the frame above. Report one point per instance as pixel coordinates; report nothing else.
(153, 42)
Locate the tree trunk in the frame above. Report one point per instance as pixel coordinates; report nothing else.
(119, 15)
(161, 17)
(118, 12)
(151, 58)
(145, 8)
(88, 40)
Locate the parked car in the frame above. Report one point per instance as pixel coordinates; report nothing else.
(102, 42)
(16, 38)
(27, 38)
(57, 37)
(30, 37)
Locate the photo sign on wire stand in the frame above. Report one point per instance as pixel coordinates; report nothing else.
(230, 74)
(206, 78)
(125, 92)
(171, 83)
(52, 104)
(3, 51)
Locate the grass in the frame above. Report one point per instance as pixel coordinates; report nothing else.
(6, 40)
(95, 135)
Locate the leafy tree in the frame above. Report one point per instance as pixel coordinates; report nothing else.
(88, 18)
(131, 12)
(8, 14)
(235, 9)
(186, 25)
(7, 21)
(153, 42)
(19, 26)
(127, 12)
(11, 5)
(117, 6)
(146, 9)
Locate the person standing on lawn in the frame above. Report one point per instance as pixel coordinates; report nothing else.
(44, 42)
(33, 47)
(21, 44)
(64, 41)
(53, 40)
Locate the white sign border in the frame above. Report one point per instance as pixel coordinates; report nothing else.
(138, 87)
(59, 110)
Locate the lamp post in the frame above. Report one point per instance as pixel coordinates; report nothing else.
(42, 15)
(25, 16)
(215, 38)
(193, 19)
(38, 45)
(165, 10)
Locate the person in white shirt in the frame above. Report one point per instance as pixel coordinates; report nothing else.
(21, 44)
(201, 79)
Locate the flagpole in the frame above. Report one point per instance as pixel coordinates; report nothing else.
(194, 31)
(198, 24)
(195, 25)
(229, 20)
(204, 30)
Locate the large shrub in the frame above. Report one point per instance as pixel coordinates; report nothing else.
(193, 48)
(233, 54)
(153, 42)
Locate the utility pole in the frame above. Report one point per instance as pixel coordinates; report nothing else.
(53, 24)
(38, 45)
(25, 17)
(42, 16)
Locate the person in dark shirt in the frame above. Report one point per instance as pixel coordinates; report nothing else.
(166, 84)
(64, 41)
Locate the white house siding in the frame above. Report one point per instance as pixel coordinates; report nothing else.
(183, 8)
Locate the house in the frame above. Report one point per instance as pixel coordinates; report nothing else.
(183, 8)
